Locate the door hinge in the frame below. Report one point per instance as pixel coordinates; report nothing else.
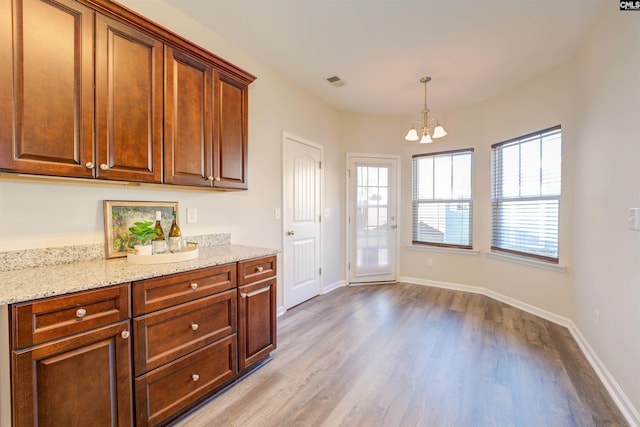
(319, 218)
(319, 165)
(320, 271)
(349, 266)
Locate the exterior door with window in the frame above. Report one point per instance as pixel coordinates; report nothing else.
(372, 219)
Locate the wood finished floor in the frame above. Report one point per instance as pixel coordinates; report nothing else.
(410, 355)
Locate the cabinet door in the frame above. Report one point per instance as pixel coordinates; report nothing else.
(256, 322)
(83, 380)
(128, 103)
(230, 142)
(188, 131)
(46, 87)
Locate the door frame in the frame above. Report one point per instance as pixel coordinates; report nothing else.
(283, 242)
(398, 188)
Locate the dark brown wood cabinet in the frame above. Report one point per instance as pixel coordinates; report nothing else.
(188, 122)
(256, 310)
(230, 143)
(185, 343)
(205, 124)
(159, 100)
(46, 87)
(128, 103)
(81, 359)
(80, 374)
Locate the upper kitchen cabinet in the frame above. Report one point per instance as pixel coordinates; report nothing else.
(90, 89)
(128, 103)
(230, 142)
(188, 121)
(46, 87)
(205, 127)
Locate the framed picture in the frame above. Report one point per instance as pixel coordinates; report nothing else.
(120, 215)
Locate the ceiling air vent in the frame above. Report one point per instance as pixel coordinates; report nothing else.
(335, 81)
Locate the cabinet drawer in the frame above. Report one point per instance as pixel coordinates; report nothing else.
(256, 269)
(165, 391)
(48, 319)
(162, 292)
(165, 335)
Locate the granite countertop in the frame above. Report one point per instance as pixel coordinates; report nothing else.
(33, 283)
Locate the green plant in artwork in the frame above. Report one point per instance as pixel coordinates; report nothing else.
(142, 232)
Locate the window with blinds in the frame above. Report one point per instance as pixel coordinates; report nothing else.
(442, 203)
(525, 194)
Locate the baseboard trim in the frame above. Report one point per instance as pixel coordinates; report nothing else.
(333, 286)
(617, 394)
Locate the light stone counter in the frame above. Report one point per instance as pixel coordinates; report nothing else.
(33, 283)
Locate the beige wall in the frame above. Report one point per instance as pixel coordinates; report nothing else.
(607, 253)
(542, 102)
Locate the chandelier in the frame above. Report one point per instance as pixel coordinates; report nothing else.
(438, 130)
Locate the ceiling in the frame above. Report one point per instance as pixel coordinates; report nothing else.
(472, 49)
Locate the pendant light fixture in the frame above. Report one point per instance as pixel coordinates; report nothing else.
(438, 131)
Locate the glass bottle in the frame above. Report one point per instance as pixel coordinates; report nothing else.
(175, 236)
(160, 242)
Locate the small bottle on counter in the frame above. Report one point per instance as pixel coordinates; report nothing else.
(175, 236)
(160, 242)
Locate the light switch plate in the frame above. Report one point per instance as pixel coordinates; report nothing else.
(634, 219)
(192, 215)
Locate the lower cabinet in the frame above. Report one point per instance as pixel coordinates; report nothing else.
(76, 380)
(256, 310)
(82, 359)
(165, 391)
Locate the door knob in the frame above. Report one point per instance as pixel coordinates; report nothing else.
(290, 233)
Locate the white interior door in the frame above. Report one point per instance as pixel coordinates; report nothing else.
(302, 184)
(372, 219)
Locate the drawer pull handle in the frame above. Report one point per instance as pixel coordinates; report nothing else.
(80, 313)
(254, 293)
(124, 334)
(194, 286)
(259, 268)
(195, 377)
(194, 326)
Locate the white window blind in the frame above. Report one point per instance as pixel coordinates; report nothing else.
(442, 203)
(525, 194)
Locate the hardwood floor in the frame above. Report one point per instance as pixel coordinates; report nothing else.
(410, 355)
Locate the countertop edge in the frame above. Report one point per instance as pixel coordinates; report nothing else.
(42, 282)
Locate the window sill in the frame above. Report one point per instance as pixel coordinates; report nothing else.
(427, 248)
(527, 261)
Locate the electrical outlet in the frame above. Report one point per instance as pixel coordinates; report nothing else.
(277, 214)
(596, 318)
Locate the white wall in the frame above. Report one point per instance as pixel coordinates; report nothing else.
(607, 253)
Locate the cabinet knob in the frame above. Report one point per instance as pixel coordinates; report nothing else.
(89, 165)
(243, 294)
(259, 268)
(194, 286)
(194, 326)
(290, 233)
(104, 166)
(195, 377)
(218, 179)
(80, 313)
(124, 334)
(210, 178)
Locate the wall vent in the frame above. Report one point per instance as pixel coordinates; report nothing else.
(336, 81)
